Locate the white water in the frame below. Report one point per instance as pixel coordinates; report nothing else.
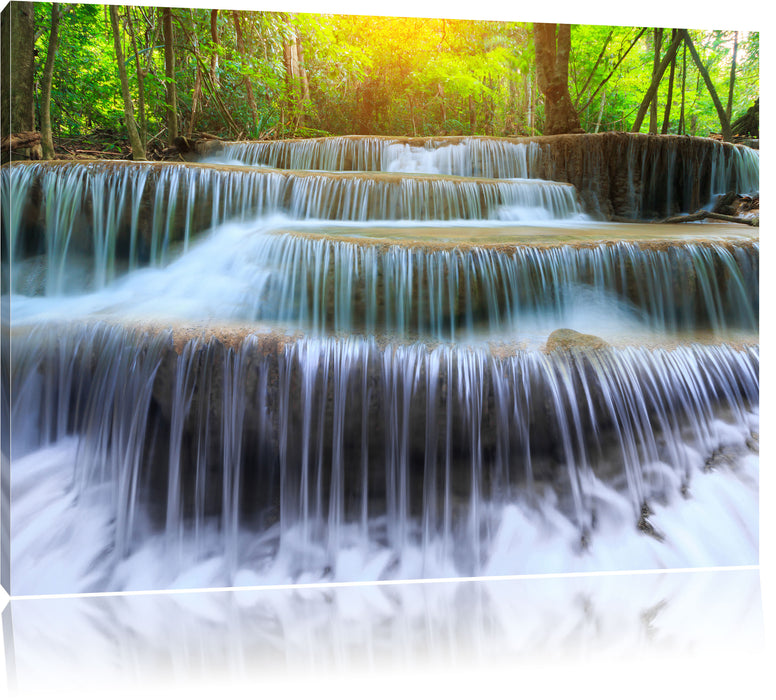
(254, 272)
(370, 456)
(60, 540)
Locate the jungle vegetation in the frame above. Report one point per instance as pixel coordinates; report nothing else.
(144, 76)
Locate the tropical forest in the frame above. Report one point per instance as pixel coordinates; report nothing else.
(126, 81)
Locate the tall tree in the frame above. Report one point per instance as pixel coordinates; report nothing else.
(680, 128)
(214, 81)
(621, 58)
(18, 71)
(241, 50)
(140, 71)
(169, 76)
(657, 75)
(670, 95)
(138, 152)
(724, 121)
(553, 45)
(46, 135)
(297, 86)
(729, 110)
(657, 37)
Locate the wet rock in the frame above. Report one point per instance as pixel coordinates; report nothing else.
(566, 339)
(647, 527)
(718, 458)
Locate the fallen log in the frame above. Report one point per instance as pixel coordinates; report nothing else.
(703, 214)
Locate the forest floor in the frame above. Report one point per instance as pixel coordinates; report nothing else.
(108, 144)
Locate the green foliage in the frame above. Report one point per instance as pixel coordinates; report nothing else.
(334, 74)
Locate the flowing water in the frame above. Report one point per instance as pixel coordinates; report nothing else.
(224, 375)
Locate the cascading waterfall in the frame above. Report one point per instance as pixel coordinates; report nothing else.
(112, 225)
(663, 175)
(222, 375)
(357, 442)
(467, 157)
(331, 284)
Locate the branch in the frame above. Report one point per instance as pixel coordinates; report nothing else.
(592, 71)
(672, 49)
(703, 214)
(723, 119)
(616, 66)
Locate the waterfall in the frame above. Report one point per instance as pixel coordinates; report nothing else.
(666, 181)
(351, 439)
(378, 358)
(334, 285)
(103, 210)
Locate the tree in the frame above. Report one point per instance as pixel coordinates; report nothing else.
(656, 77)
(553, 44)
(657, 45)
(727, 133)
(214, 81)
(297, 85)
(46, 135)
(169, 76)
(601, 85)
(138, 151)
(670, 96)
(141, 73)
(729, 110)
(303, 74)
(18, 70)
(241, 50)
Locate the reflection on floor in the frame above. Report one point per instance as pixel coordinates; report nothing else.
(275, 637)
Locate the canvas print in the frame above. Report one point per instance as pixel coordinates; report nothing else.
(294, 298)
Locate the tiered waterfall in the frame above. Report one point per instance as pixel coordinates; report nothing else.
(346, 359)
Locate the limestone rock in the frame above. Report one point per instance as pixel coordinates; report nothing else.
(565, 339)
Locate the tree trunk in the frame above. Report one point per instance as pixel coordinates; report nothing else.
(584, 87)
(297, 85)
(729, 110)
(46, 136)
(670, 97)
(247, 79)
(658, 44)
(138, 152)
(204, 75)
(684, 83)
(553, 45)
(657, 76)
(169, 77)
(611, 73)
(214, 55)
(140, 72)
(17, 66)
(723, 119)
(601, 112)
(304, 83)
(509, 116)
